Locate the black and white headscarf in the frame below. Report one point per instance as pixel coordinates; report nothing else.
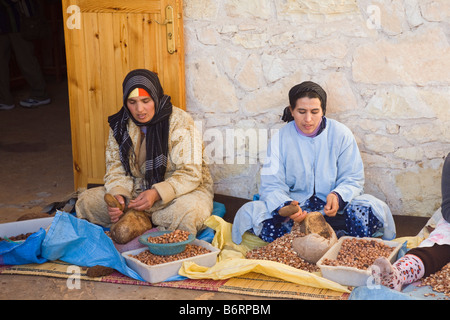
(157, 129)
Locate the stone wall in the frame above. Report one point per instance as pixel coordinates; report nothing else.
(384, 63)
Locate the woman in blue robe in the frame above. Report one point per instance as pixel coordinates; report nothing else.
(314, 161)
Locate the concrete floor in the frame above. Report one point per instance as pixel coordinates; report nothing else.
(36, 169)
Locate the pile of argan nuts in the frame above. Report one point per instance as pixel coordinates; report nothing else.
(172, 237)
(439, 281)
(19, 237)
(280, 250)
(151, 259)
(359, 253)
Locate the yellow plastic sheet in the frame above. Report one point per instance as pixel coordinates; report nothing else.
(231, 261)
(412, 242)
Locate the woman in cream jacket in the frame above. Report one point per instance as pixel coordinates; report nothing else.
(154, 162)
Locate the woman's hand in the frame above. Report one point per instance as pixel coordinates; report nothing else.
(293, 211)
(332, 206)
(145, 200)
(116, 213)
(299, 216)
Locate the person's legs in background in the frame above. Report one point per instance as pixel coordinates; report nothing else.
(6, 99)
(31, 70)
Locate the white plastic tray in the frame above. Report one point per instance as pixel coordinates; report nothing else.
(350, 276)
(11, 229)
(161, 272)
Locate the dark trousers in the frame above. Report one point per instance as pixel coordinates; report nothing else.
(434, 258)
(28, 64)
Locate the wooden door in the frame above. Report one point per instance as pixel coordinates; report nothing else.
(104, 41)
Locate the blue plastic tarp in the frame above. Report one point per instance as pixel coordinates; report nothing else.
(78, 242)
(377, 293)
(85, 244)
(82, 243)
(24, 252)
